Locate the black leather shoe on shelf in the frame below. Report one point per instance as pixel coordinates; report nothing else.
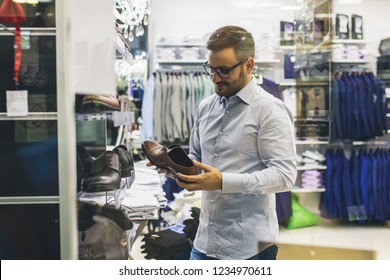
(126, 160)
(85, 157)
(84, 163)
(104, 174)
(127, 164)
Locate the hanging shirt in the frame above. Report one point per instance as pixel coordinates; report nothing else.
(290, 98)
(147, 110)
(250, 139)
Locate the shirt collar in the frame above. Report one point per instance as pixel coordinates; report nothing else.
(245, 94)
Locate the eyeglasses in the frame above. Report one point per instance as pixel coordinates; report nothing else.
(223, 72)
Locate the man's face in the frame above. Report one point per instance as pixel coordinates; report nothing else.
(237, 78)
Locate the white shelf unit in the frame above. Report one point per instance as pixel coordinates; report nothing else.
(303, 190)
(351, 41)
(311, 142)
(361, 44)
(176, 48)
(349, 61)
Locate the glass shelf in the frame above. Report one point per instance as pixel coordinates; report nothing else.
(119, 118)
(30, 116)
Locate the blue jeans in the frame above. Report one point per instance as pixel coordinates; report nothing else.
(267, 254)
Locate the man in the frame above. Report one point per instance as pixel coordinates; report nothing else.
(243, 141)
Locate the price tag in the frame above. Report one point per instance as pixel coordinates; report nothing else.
(17, 104)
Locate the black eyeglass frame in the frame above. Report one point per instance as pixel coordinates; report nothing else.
(226, 70)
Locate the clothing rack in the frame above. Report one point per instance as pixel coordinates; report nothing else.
(180, 71)
(167, 90)
(360, 68)
(350, 143)
(348, 146)
(357, 182)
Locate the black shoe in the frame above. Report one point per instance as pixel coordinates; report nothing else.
(85, 158)
(104, 174)
(126, 160)
(127, 164)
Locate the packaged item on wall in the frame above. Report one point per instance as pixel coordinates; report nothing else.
(342, 26)
(286, 33)
(357, 27)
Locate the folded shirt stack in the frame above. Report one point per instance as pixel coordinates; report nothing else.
(312, 179)
(189, 53)
(311, 159)
(146, 195)
(353, 53)
(347, 52)
(166, 53)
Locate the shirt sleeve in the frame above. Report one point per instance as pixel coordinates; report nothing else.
(276, 150)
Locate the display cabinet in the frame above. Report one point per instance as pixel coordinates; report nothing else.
(36, 204)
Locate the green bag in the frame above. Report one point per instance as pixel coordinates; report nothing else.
(301, 217)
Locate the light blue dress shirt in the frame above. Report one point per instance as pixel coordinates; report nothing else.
(250, 138)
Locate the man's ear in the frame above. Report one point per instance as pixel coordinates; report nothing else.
(250, 64)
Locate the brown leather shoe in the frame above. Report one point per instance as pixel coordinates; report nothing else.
(171, 158)
(99, 103)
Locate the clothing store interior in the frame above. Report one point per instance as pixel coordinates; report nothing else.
(85, 84)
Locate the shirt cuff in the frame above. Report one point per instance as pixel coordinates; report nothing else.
(232, 182)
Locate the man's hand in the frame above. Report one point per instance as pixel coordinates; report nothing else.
(210, 180)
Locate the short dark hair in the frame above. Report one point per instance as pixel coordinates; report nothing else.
(232, 37)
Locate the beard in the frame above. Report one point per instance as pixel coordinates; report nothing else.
(230, 88)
